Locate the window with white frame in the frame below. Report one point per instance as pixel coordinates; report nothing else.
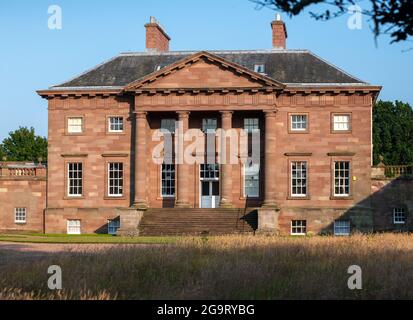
(251, 180)
(115, 179)
(299, 122)
(299, 179)
(168, 180)
(20, 215)
(113, 226)
(209, 171)
(168, 125)
(341, 122)
(298, 227)
(209, 125)
(73, 227)
(342, 178)
(115, 124)
(259, 68)
(75, 179)
(251, 125)
(399, 216)
(75, 125)
(342, 228)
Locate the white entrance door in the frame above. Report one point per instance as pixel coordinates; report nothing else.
(209, 194)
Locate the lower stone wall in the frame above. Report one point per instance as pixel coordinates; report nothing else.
(18, 193)
(92, 220)
(321, 220)
(387, 194)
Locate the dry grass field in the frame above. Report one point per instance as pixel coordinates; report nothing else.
(230, 267)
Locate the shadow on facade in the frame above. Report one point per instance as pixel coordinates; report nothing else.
(376, 213)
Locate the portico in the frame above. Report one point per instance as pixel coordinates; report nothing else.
(232, 95)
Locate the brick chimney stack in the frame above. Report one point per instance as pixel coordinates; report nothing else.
(156, 38)
(279, 33)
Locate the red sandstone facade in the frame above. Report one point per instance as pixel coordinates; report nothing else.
(189, 90)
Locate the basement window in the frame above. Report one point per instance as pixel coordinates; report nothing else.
(113, 226)
(20, 215)
(341, 228)
(298, 227)
(73, 227)
(399, 216)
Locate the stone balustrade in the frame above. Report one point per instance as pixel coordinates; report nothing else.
(385, 171)
(22, 170)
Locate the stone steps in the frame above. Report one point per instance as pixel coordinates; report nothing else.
(176, 221)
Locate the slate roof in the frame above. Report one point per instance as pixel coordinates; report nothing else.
(286, 66)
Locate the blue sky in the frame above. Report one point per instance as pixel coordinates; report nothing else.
(32, 57)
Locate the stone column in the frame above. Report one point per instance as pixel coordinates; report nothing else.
(140, 160)
(183, 169)
(226, 167)
(270, 160)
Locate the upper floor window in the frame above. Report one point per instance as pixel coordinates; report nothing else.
(20, 215)
(251, 125)
(342, 178)
(341, 122)
(75, 125)
(115, 124)
(75, 179)
(259, 68)
(299, 179)
(399, 216)
(299, 123)
(168, 125)
(115, 179)
(252, 180)
(209, 125)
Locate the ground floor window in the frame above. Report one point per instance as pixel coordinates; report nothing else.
(75, 179)
(20, 215)
(252, 180)
(342, 228)
(299, 179)
(168, 180)
(113, 226)
(298, 227)
(73, 227)
(115, 179)
(399, 216)
(342, 178)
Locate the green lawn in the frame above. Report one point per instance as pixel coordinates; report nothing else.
(86, 239)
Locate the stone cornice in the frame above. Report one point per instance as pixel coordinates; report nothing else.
(66, 93)
(74, 155)
(298, 154)
(341, 154)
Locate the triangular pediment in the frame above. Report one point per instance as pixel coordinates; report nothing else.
(204, 71)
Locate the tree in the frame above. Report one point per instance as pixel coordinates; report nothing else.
(24, 145)
(393, 132)
(394, 17)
